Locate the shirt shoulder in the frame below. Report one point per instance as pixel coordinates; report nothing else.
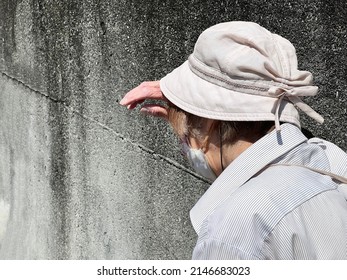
(336, 156)
(246, 218)
(313, 230)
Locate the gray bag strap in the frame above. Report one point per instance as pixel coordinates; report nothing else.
(336, 177)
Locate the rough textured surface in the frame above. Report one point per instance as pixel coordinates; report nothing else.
(80, 177)
(72, 194)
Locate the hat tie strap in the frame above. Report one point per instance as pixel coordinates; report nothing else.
(293, 95)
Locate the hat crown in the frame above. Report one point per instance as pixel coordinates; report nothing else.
(247, 51)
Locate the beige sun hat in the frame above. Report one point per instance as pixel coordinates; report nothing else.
(239, 71)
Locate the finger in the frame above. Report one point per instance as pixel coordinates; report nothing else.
(133, 105)
(155, 110)
(146, 90)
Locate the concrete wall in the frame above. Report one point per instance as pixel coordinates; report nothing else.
(82, 178)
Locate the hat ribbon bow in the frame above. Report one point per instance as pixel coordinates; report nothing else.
(293, 95)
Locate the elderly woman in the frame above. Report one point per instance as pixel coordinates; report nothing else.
(233, 103)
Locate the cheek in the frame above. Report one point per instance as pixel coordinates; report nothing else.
(213, 158)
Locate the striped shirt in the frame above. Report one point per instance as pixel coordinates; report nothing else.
(260, 209)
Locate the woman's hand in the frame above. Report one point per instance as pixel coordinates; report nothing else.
(146, 90)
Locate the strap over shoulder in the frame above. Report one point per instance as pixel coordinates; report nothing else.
(341, 180)
(335, 177)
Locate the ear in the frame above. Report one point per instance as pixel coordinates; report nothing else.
(212, 136)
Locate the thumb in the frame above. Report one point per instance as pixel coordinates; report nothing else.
(155, 110)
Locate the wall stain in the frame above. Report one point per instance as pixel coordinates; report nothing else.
(8, 10)
(59, 32)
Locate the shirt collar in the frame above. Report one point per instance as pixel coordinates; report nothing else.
(244, 167)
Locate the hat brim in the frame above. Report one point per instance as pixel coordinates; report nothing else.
(199, 97)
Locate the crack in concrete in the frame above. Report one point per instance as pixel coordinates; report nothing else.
(140, 146)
